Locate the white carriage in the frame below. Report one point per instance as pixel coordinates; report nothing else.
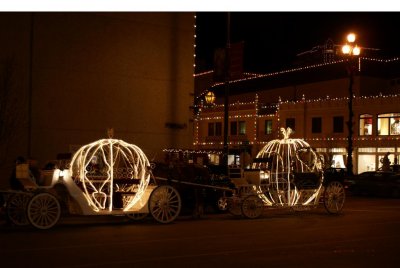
(287, 173)
(106, 177)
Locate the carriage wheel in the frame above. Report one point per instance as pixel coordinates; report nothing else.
(44, 210)
(252, 207)
(164, 204)
(137, 216)
(334, 196)
(16, 209)
(234, 206)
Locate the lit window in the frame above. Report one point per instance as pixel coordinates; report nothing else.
(395, 126)
(268, 127)
(366, 124)
(242, 127)
(389, 124)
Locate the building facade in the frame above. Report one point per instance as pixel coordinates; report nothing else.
(313, 102)
(74, 75)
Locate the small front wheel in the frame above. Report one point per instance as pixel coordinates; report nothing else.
(16, 209)
(234, 206)
(334, 196)
(164, 204)
(43, 211)
(252, 207)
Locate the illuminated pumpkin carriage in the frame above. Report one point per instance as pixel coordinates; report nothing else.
(106, 177)
(286, 173)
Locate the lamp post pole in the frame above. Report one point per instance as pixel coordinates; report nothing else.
(351, 51)
(226, 93)
(349, 164)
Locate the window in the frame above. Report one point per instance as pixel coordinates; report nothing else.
(242, 127)
(338, 123)
(215, 129)
(268, 127)
(233, 128)
(365, 124)
(316, 125)
(389, 124)
(218, 129)
(211, 130)
(395, 126)
(291, 122)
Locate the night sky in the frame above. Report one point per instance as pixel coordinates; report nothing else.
(272, 39)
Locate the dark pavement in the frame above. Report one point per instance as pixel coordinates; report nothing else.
(365, 235)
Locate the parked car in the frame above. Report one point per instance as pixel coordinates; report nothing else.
(375, 183)
(338, 174)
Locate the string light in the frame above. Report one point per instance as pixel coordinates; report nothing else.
(251, 76)
(284, 160)
(99, 165)
(194, 44)
(277, 108)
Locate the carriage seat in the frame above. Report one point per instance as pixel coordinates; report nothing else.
(306, 180)
(24, 176)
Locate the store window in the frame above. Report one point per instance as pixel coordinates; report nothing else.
(365, 124)
(389, 124)
(242, 127)
(338, 123)
(316, 125)
(366, 162)
(291, 122)
(268, 127)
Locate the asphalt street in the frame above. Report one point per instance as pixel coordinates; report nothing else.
(366, 234)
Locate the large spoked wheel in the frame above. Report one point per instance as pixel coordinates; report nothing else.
(164, 204)
(252, 207)
(137, 216)
(234, 206)
(334, 196)
(16, 209)
(43, 211)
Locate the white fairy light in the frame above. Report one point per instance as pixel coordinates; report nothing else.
(98, 166)
(285, 162)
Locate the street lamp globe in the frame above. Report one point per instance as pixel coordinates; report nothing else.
(351, 37)
(346, 49)
(356, 51)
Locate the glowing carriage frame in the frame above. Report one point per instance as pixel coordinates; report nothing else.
(287, 173)
(106, 177)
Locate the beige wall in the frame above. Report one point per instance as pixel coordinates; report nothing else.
(92, 71)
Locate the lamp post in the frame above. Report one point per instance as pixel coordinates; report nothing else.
(351, 51)
(226, 91)
(210, 98)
